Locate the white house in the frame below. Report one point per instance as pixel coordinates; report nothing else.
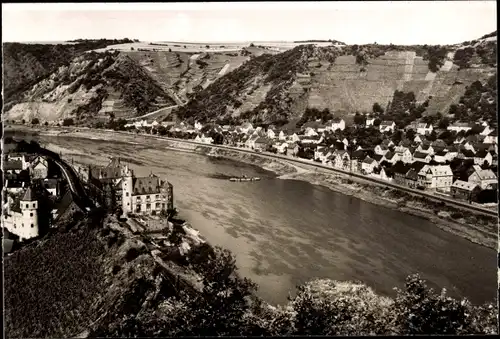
(345, 142)
(387, 126)
(247, 128)
(368, 165)
(441, 157)
(198, 126)
(39, 168)
(369, 121)
(281, 147)
(404, 154)
(487, 130)
(336, 124)
(282, 135)
(294, 138)
(422, 157)
(270, 133)
(436, 177)
(459, 126)
(381, 149)
(310, 132)
(250, 143)
(204, 139)
(481, 156)
(425, 149)
(483, 178)
(491, 139)
(423, 128)
(146, 195)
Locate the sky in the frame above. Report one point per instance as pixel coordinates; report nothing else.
(357, 22)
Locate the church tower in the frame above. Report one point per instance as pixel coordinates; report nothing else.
(127, 189)
(29, 210)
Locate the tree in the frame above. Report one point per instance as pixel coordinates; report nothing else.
(35, 121)
(432, 136)
(46, 123)
(68, 122)
(377, 122)
(23, 121)
(359, 119)
(443, 123)
(377, 108)
(410, 135)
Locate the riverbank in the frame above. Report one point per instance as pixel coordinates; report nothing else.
(474, 227)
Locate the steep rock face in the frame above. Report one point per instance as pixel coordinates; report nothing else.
(344, 79)
(26, 64)
(89, 87)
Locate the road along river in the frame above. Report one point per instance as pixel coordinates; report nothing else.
(285, 232)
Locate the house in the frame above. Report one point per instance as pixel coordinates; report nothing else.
(281, 147)
(387, 143)
(422, 157)
(483, 156)
(51, 185)
(452, 153)
(423, 148)
(39, 168)
(381, 150)
(441, 157)
(421, 128)
(487, 130)
(247, 128)
(270, 133)
(399, 171)
(294, 138)
(492, 138)
(368, 165)
(14, 186)
(438, 177)
(464, 190)
(459, 126)
(198, 126)
(13, 166)
(390, 157)
(419, 139)
(282, 135)
(293, 149)
(342, 160)
(424, 129)
(466, 154)
(387, 126)
(250, 142)
(369, 121)
(485, 179)
(345, 142)
(20, 215)
(403, 153)
(336, 124)
(146, 195)
(261, 143)
(325, 154)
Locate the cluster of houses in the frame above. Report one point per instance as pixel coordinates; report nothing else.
(35, 197)
(417, 163)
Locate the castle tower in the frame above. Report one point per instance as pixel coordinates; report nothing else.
(127, 189)
(29, 209)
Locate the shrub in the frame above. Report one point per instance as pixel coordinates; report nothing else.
(35, 121)
(68, 122)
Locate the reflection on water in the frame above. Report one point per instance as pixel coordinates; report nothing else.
(285, 232)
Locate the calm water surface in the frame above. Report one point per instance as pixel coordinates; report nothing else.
(285, 232)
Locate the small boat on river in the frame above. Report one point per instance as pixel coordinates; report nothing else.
(244, 178)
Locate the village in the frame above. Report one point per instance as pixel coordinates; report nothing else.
(458, 161)
(37, 197)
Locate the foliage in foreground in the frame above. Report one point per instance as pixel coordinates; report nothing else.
(227, 306)
(50, 286)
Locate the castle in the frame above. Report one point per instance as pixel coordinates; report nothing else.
(144, 195)
(20, 216)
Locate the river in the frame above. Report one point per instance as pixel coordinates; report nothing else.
(286, 232)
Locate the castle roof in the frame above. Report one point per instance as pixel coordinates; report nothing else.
(29, 195)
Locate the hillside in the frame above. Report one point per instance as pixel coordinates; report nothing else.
(89, 87)
(102, 278)
(232, 83)
(26, 64)
(344, 79)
